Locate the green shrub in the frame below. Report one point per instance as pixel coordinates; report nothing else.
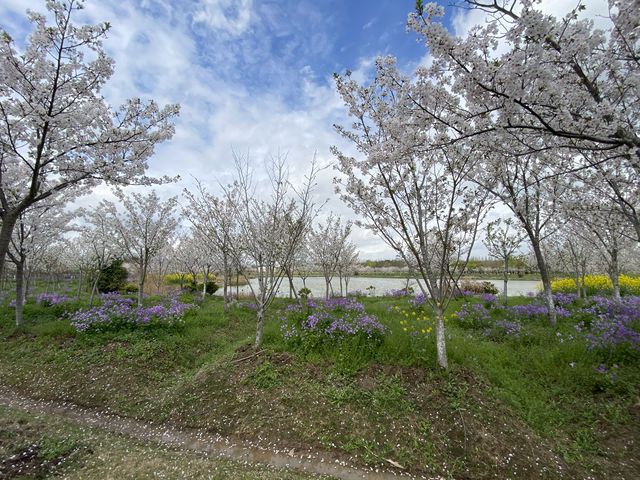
(113, 278)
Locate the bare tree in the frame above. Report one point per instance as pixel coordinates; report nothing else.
(269, 232)
(502, 242)
(326, 242)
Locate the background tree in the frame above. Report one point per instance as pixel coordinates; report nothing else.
(268, 232)
(143, 229)
(213, 219)
(98, 235)
(326, 242)
(503, 240)
(346, 265)
(57, 133)
(112, 277)
(37, 229)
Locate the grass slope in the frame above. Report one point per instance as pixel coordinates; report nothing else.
(509, 408)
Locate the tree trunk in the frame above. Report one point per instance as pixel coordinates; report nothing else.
(546, 283)
(79, 285)
(259, 325)
(506, 278)
(441, 347)
(19, 292)
(143, 274)
(94, 289)
(225, 282)
(6, 230)
(614, 273)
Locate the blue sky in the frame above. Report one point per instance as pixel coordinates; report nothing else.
(250, 75)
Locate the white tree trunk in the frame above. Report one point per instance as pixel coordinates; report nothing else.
(441, 347)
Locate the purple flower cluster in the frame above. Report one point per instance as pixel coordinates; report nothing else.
(474, 315)
(418, 300)
(403, 292)
(12, 303)
(51, 299)
(332, 319)
(502, 328)
(117, 311)
(356, 293)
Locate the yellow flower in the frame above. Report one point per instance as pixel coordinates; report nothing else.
(423, 331)
(397, 307)
(405, 329)
(425, 318)
(406, 314)
(413, 313)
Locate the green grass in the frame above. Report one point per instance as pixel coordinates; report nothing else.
(502, 395)
(42, 446)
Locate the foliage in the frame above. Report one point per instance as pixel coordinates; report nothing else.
(113, 278)
(174, 278)
(304, 293)
(607, 327)
(599, 285)
(211, 287)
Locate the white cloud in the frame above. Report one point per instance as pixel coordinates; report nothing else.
(230, 16)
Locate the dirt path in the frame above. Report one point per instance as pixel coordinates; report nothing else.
(195, 440)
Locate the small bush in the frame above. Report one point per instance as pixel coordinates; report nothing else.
(113, 278)
(304, 293)
(478, 287)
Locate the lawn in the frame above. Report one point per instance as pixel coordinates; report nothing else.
(357, 380)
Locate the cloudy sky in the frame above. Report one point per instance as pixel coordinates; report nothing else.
(251, 75)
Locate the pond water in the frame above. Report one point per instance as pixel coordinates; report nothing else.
(382, 285)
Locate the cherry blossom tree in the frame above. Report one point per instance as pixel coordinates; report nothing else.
(502, 240)
(326, 243)
(346, 265)
(213, 219)
(417, 198)
(268, 232)
(599, 223)
(186, 257)
(557, 84)
(143, 230)
(98, 234)
(37, 229)
(57, 133)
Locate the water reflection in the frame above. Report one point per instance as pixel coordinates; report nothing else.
(379, 286)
